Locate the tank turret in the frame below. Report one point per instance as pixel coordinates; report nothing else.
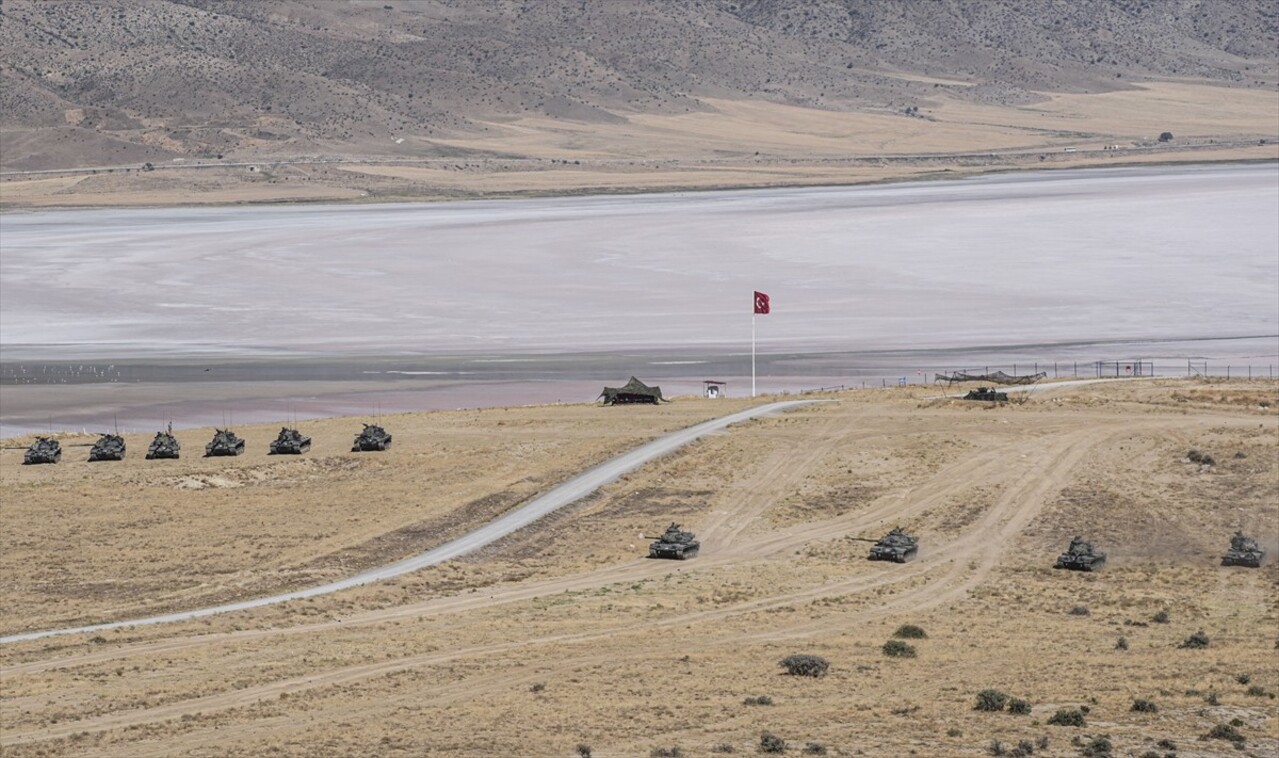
(109, 447)
(987, 394)
(43, 450)
(1244, 551)
(896, 546)
(290, 442)
(1081, 556)
(674, 543)
(372, 438)
(165, 445)
(224, 442)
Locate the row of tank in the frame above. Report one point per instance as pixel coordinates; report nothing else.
(110, 447)
(899, 547)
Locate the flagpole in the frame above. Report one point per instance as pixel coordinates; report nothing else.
(752, 355)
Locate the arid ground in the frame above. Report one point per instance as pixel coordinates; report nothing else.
(565, 636)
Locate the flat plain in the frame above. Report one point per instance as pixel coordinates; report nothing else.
(564, 635)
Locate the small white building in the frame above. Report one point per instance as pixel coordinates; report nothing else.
(713, 390)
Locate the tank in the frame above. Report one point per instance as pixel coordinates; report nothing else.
(109, 447)
(986, 393)
(1081, 556)
(896, 546)
(1244, 551)
(290, 442)
(165, 445)
(674, 543)
(224, 442)
(43, 450)
(372, 438)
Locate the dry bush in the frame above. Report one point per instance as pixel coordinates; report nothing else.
(804, 665)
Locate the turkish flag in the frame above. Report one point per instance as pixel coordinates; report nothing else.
(761, 302)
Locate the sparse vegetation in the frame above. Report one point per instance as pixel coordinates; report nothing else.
(758, 700)
(991, 700)
(1196, 640)
(583, 750)
(1079, 610)
(910, 632)
(1142, 705)
(1068, 717)
(1098, 747)
(1226, 732)
(898, 649)
(814, 748)
(771, 744)
(1160, 618)
(805, 665)
(1018, 706)
(723, 748)
(666, 752)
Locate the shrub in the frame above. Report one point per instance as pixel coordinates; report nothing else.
(1122, 643)
(1160, 617)
(723, 747)
(1067, 717)
(1257, 690)
(1166, 745)
(758, 700)
(1018, 706)
(1243, 678)
(996, 748)
(990, 700)
(814, 748)
(1165, 136)
(1100, 747)
(1196, 640)
(584, 751)
(910, 632)
(1141, 705)
(1079, 610)
(954, 731)
(1225, 732)
(666, 752)
(1211, 699)
(804, 665)
(1042, 742)
(898, 649)
(1024, 748)
(772, 744)
(538, 687)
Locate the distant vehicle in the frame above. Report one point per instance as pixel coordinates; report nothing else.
(896, 546)
(373, 438)
(1244, 551)
(224, 442)
(43, 450)
(290, 442)
(674, 543)
(1081, 556)
(165, 445)
(109, 447)
(987, 394)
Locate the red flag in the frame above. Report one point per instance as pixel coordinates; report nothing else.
(761, 302)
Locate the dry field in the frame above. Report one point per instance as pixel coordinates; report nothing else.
(563, 636)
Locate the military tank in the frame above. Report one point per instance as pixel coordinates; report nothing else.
(372, 438)
(987, 394)
(109, 447)
(43, 450)
(674, 543)
(1244, 551)
(1081, 556)
(165, 445)
(896, 546)
(224, 442)
(290, 442)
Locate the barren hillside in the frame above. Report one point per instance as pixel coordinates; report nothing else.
(116, 82)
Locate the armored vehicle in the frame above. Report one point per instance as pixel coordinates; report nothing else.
(1080, 556)
(109, 447)
(224, 442)
(896, 546)
(290, 442)
(43, 450)
(372, 438)
(1244, 551)
(986, 393)
(165, 445)
(674, 543)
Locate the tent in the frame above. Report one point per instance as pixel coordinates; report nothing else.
(635, 391)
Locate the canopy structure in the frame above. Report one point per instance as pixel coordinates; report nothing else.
(635, 391)
(997, 377)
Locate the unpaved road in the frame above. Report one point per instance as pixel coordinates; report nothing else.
(569, 492)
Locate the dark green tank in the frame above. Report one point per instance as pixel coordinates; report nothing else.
(165, 445)
(43, 450)
(987, 394)
(109, 447)
(674, 543)
(290, 442)
(1081, 556)
(896, 546)
(372, 438)
(1244, 551)
(224, 442)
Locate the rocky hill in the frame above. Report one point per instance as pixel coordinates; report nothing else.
(120, 81)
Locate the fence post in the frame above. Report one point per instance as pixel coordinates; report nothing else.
(1054, 369)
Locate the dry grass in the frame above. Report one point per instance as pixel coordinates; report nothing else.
(564, 635)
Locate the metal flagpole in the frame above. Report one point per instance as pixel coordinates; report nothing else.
(752, 355)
